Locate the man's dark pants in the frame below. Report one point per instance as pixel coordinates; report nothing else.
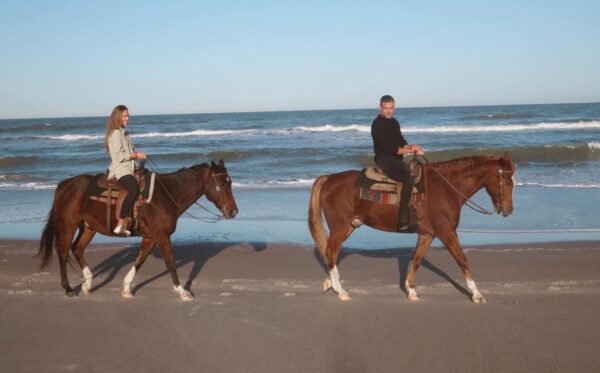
(396, 169)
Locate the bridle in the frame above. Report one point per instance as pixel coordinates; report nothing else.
(472, 205)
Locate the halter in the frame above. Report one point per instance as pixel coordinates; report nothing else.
(218, 217)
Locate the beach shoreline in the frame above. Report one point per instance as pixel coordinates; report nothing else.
(258, 306)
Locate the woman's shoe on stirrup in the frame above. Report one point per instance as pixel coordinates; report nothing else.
(121, 231)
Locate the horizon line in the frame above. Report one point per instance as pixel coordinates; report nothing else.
(295, 110)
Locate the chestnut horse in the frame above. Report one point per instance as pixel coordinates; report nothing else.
(173, 194)
(449, 184)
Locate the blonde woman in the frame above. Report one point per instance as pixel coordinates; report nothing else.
(122, 154)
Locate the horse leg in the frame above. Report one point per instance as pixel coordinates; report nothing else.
(167, 253)
(334, 245)
(327, 283)
(84, 237)
(453, 245)
(145, 249)
(64, 243)
(423, 243)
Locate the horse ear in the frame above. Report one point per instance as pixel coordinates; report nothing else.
(212, 164)
(506, 157)
(221, 163)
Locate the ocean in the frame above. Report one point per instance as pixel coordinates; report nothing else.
(273, 158)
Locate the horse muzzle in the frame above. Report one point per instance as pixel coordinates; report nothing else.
(229, 213)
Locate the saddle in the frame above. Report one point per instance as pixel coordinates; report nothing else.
(109, 191)
(377, 187)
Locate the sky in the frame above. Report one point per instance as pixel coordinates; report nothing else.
(81, 58)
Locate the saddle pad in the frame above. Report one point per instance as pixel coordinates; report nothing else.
(96, 193)
(385, 198)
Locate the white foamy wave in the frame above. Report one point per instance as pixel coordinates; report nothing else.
(566, 186)
(593, 145)
(507, 127)
(275, 184)
(194, 133)
(14, 186)
(74, 137)
(333, 128)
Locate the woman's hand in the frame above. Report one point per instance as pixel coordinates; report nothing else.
(138, 155)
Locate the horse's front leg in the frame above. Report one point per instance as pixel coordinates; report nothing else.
(453, 245)
(145, 249)
(167, 253)
(423, 243)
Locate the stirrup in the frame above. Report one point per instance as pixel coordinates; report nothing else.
(121, 231)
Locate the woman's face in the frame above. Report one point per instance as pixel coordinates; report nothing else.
(125, 118)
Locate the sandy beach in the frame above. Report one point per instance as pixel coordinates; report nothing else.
(258, 307)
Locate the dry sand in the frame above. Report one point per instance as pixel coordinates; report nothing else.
(259, 308)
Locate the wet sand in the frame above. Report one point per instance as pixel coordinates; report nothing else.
(258, 307)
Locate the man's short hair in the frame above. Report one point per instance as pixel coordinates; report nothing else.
(386, 98)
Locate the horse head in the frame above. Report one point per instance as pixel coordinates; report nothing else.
(500, 187)
(218, 190)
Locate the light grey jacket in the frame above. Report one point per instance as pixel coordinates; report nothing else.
(119, 147)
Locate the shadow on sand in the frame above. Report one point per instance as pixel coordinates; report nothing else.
(403, 257)
(198, 254)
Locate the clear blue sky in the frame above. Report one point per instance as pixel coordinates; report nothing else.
(76, 58)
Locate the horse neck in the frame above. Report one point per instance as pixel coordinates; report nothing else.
(186, 185)
(468, 174)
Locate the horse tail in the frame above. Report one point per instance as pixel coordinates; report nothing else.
(47, 239)
(315, 216)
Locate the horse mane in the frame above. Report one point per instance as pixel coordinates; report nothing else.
(464, 163)
(183, 169)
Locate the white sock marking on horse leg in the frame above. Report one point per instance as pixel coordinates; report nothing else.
(473, 287)
(335, 282)
(412, 293)
(127, 282)
(87, 284)
(183, 294)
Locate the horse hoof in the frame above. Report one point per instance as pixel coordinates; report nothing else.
(413, 298)
(326, 285)
(85, 291)
(70, 293)
(126, 294)
(186, 297)
(344, 296)
(478, 299)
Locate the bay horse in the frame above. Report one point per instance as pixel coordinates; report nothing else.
(448, 185)
(173, 194)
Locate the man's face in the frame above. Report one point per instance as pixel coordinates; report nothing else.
(386, 109)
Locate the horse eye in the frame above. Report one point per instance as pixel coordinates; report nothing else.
(217, 188)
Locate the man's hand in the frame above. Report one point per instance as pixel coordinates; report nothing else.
(415, 148)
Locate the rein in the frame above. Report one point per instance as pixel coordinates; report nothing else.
(157, 170)
(468, 201)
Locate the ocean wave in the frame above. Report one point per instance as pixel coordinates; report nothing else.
(22, 186)
(73, 137)
(450, 129)
(500, 116)
(561, 186)
(194, 133)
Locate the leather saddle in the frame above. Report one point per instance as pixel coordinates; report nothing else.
(374, 179)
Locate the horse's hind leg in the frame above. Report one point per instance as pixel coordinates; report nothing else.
(145, 249)
(64, 244)
(453, 245)
(334, 245)
(83, 239)
(423, 243)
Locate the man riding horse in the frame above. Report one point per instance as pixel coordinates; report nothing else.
(390, 146)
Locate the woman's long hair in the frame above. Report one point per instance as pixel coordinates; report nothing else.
(114, 122)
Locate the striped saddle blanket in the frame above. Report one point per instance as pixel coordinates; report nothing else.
(377, 187)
